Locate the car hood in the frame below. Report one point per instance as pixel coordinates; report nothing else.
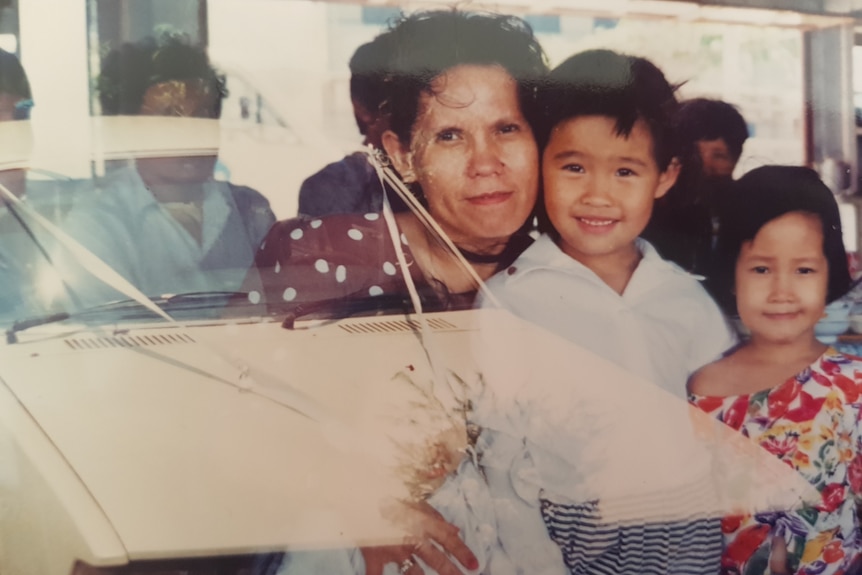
(224, 439)
(227, 439)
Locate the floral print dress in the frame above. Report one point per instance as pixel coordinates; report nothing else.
(811, 422)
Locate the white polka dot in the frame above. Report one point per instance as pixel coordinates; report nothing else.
(289, 294)
(375, 290)
(254, 297)
(403, 239)
(277, 267)
(262, 245)
(316, 223)
(388, 268)
(354, 234)
(296, 233)
(371, 217)
(322, 266)
(340, 274)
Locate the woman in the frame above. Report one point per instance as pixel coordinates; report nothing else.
(460, 96)
(460, 93)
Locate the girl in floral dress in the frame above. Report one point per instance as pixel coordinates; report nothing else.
(798, 398)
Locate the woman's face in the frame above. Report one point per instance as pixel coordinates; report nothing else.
(474, 155)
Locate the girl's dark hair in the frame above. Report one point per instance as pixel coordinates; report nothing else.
(765, 194)
(423, 45)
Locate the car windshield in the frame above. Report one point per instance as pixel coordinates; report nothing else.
(159, 230)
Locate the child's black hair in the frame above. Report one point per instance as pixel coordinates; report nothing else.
(605, 83)
(765, 194)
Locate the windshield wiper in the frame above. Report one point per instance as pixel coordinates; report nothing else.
(164, 301)
(22, 324)
(339, 308)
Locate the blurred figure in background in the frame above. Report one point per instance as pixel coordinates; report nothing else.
(164, 222)
(17, 253)
(718, 131)
(16, 100)
(351, 185)
(683, 228)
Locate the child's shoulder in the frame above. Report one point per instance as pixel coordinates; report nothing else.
(713, 378)
(848, 364)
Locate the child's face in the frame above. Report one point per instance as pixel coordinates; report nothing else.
(600, 187)
(782, 279)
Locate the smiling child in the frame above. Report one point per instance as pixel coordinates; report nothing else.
(795, 396)
(608, 154)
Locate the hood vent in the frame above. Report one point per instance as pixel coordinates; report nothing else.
(394, 326)
(119, 341)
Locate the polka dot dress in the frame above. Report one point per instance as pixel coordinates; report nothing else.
(342, 256)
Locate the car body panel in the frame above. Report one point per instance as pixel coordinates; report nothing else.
(168, 429)
(45, 505)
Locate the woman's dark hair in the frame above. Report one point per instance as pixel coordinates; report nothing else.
(368, 67)
(765, 194)
(127, 73)
(423, 45)
(621, 87)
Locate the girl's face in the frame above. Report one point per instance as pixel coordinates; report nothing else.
(782, 278)
(474, 155)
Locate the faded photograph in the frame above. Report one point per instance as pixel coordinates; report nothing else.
(371, 287)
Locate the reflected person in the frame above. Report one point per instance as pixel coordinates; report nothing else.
(461, 95)
(16, 100)
(19, 254)
(164, 222)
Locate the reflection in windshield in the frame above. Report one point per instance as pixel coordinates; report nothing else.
(22, 260)
(165, 223)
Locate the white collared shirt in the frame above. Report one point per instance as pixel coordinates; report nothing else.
(126, 227)
(663, 327)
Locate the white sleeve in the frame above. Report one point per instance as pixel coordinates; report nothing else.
(500, 523)
(464, 500)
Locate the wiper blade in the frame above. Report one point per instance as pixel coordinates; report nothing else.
(163, 301)
(346, 307)
(21, 325)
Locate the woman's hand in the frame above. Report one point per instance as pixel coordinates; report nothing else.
(425, 527)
